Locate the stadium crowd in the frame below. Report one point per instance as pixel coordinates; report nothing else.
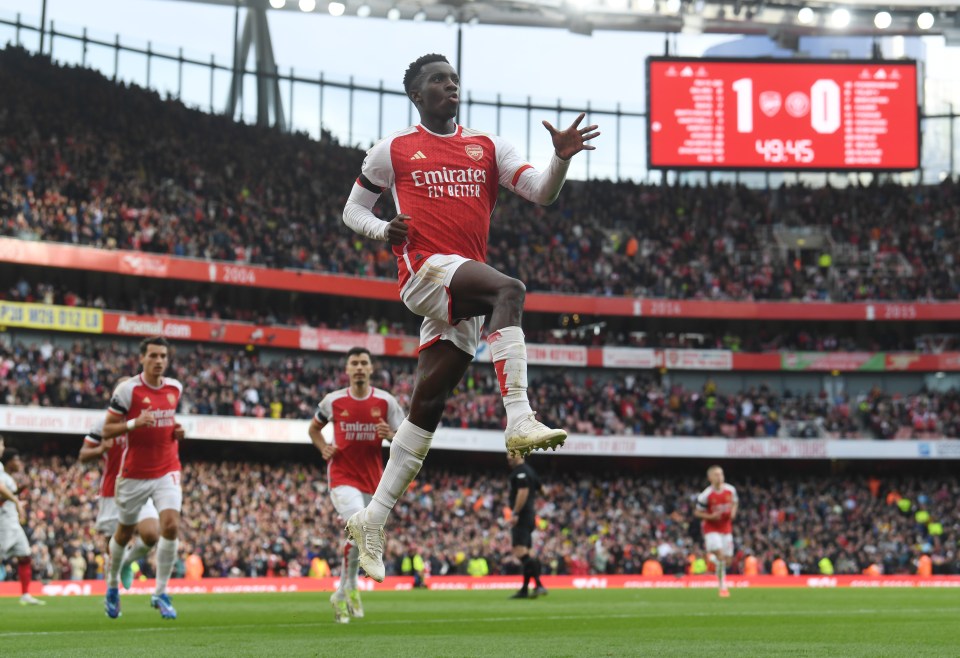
(234, 382)
(87, 161)
(250, 519)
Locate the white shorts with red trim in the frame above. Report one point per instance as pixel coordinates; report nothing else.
(717, 542)
(349, 500)
(132, 495)
(427, 293)
(13, 540)
(109, 514)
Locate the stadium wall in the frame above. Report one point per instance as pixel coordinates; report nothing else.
(467, 583)
(54, 420)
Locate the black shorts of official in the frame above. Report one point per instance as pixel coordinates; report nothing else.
(522, 535)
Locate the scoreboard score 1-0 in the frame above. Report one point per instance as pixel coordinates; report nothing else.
(820, 115)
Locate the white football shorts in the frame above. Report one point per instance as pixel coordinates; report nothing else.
(13, 540)
(109, 514)
(349, 500)
(716, 541)
(132, 495)
(427, 293)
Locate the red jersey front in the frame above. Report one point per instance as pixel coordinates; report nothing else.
(111, 460)
(151, 451)
(447, 184)
(358, 461)
(712, 500)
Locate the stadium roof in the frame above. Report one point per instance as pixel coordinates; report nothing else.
(776, 18)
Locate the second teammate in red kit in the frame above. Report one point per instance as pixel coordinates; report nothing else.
(361, 417)
(144, 408)
(717, 508)
(444, 180)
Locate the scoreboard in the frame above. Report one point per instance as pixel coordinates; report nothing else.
(816, 115)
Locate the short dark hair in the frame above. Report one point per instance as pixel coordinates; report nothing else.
(359, 350)
(417, 66)
(153, 340)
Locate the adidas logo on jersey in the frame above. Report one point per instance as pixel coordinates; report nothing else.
(418, 156)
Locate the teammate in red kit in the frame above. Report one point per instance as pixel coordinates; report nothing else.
(361, 417)
(717, 508)
(445, 179)
(144, 408)
(109, 449)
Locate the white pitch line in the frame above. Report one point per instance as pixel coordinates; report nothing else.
(500, 620)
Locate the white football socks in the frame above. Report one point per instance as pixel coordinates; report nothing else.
(722, 573)
(116, 561)
(407, 452)
(509, 354)
(350, 568)
(166, 556)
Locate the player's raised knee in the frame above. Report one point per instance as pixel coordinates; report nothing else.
(511, 290)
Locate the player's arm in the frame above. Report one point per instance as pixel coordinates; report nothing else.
(543, 187)
(6, 494)
(116, 423)
(701, 511)
(376, 175)
(327, 450)
(522, 495)
(733, 510)
(93, 449)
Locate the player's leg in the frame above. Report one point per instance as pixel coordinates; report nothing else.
(131, 495)
(347, 501)
(168, 498)
(478, 289)
(522, 553)
(148, 533)
(724, 559)
(14, 541)
(440, 367)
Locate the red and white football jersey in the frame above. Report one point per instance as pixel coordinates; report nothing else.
(447, 184)
(151, 451)
(711, 500)
(111, 459)
(359, 459)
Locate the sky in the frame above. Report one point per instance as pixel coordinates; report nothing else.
(545, 65)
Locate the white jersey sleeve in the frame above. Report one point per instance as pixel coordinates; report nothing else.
(95, 435)
(519, 176)
(377, 171)
(395, 413)
(703, 500)
(378, 165)
(122, 398)
(733, 492)
(324, 410)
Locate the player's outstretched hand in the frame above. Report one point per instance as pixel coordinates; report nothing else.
(145, 418)
(571, 141)
(328, 450)
(178, 432)
(397, 229)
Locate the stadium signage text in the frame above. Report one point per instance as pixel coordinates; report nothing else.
(51, 317)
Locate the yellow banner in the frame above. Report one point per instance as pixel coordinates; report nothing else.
(50, 316)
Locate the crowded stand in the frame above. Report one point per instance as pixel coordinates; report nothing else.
(267, 384)
(87, 161)
(248, 519)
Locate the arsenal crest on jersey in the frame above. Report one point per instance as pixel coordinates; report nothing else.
(475, 151)
(375, 413)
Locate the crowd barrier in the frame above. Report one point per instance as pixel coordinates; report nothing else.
(464, 583)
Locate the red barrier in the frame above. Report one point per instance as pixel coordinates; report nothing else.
(135, 263)
(464, 583)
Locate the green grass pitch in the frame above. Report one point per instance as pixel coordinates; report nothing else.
(759, 622)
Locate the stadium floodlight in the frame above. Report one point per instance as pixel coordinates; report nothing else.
(420, 16)
(840, 18)
(278, 4)
(673, 6)
(307, 5)
(925, 20)
(805, 16)
(336, 8)
(393, 14)
(883, 20)
(363, 11)
(646, 5)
